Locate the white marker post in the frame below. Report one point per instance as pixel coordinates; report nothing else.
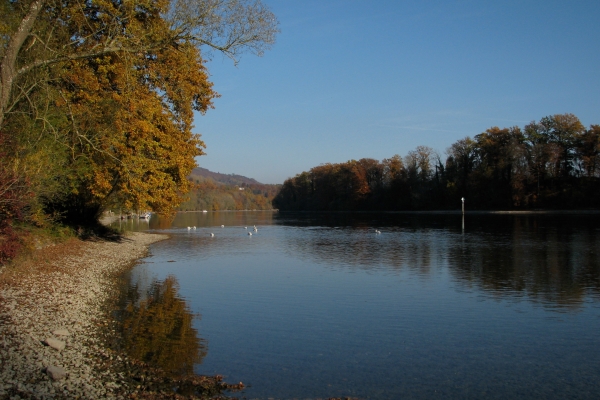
(463, 214)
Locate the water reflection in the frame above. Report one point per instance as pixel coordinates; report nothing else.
(157, 328)
(182, 220)
(131, 224)
(318, 306)
(363, 249)
(550, 259)
(554, 263)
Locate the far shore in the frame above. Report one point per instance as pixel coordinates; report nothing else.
(457, 212)
(107, 220)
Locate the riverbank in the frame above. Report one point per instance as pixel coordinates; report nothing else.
(457, 212)
(53, 318)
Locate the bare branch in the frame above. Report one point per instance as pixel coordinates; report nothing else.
(228, 26)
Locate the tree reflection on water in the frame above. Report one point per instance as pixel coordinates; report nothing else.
(551, 260)
(157, 329)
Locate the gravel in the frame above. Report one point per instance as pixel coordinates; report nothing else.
(53, 319)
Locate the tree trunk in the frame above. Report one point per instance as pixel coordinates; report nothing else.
(8, 64)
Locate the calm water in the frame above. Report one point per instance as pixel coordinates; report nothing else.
(322, 306)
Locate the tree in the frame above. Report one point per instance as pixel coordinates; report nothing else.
(393, 170)
(39, 33)
(143, 154)
(496, 153)
(552, 163)
(113, 86)
(396, 190)
(565, 130)
(588, 150)
(14, 189)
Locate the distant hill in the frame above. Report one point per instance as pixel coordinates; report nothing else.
(226, 179)
(215, 191)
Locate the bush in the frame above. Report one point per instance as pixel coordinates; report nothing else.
(14, 196)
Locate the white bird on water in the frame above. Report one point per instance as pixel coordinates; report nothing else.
(222, 226)
(189, 228)
(212, 234)
(377, 231)
(249, 233)
(194, 228)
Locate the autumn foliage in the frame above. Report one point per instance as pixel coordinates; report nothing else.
(14, 192)
(210, 195)
(99, 97)
(553, 163)
(136, 141)
(158, 329)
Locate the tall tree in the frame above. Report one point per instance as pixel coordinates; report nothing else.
(564, 131)
(39, 33)
(459, 165)
(588, 151)
(496, 151)
(112, 87)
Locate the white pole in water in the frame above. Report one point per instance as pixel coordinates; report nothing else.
(463, 213)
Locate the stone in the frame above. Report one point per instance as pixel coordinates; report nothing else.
(55, 344)
(56, 373)
(50, 304)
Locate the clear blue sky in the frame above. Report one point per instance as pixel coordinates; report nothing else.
(355, 78)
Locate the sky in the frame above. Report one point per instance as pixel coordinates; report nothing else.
(352, 79)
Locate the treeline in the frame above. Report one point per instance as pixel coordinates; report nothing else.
(553, 163)
(97, 101)
(214, 196)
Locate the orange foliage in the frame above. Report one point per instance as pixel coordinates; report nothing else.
(132, 119)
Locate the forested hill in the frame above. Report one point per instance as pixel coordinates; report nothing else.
(214, 191)
(550, 164)
(227, 179)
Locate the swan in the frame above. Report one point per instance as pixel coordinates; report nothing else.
(249, 233)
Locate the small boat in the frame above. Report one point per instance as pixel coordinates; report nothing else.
(145, 215)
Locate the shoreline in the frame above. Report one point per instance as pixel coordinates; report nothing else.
(457, 212)
(54, 320)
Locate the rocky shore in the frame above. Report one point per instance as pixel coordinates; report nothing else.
(54, 320)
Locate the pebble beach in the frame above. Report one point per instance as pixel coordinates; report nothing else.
(54, 320)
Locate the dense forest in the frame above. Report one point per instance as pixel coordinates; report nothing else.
(213, 192)
(553, 163)
(97, 100)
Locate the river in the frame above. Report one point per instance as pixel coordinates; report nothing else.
(321, 305)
